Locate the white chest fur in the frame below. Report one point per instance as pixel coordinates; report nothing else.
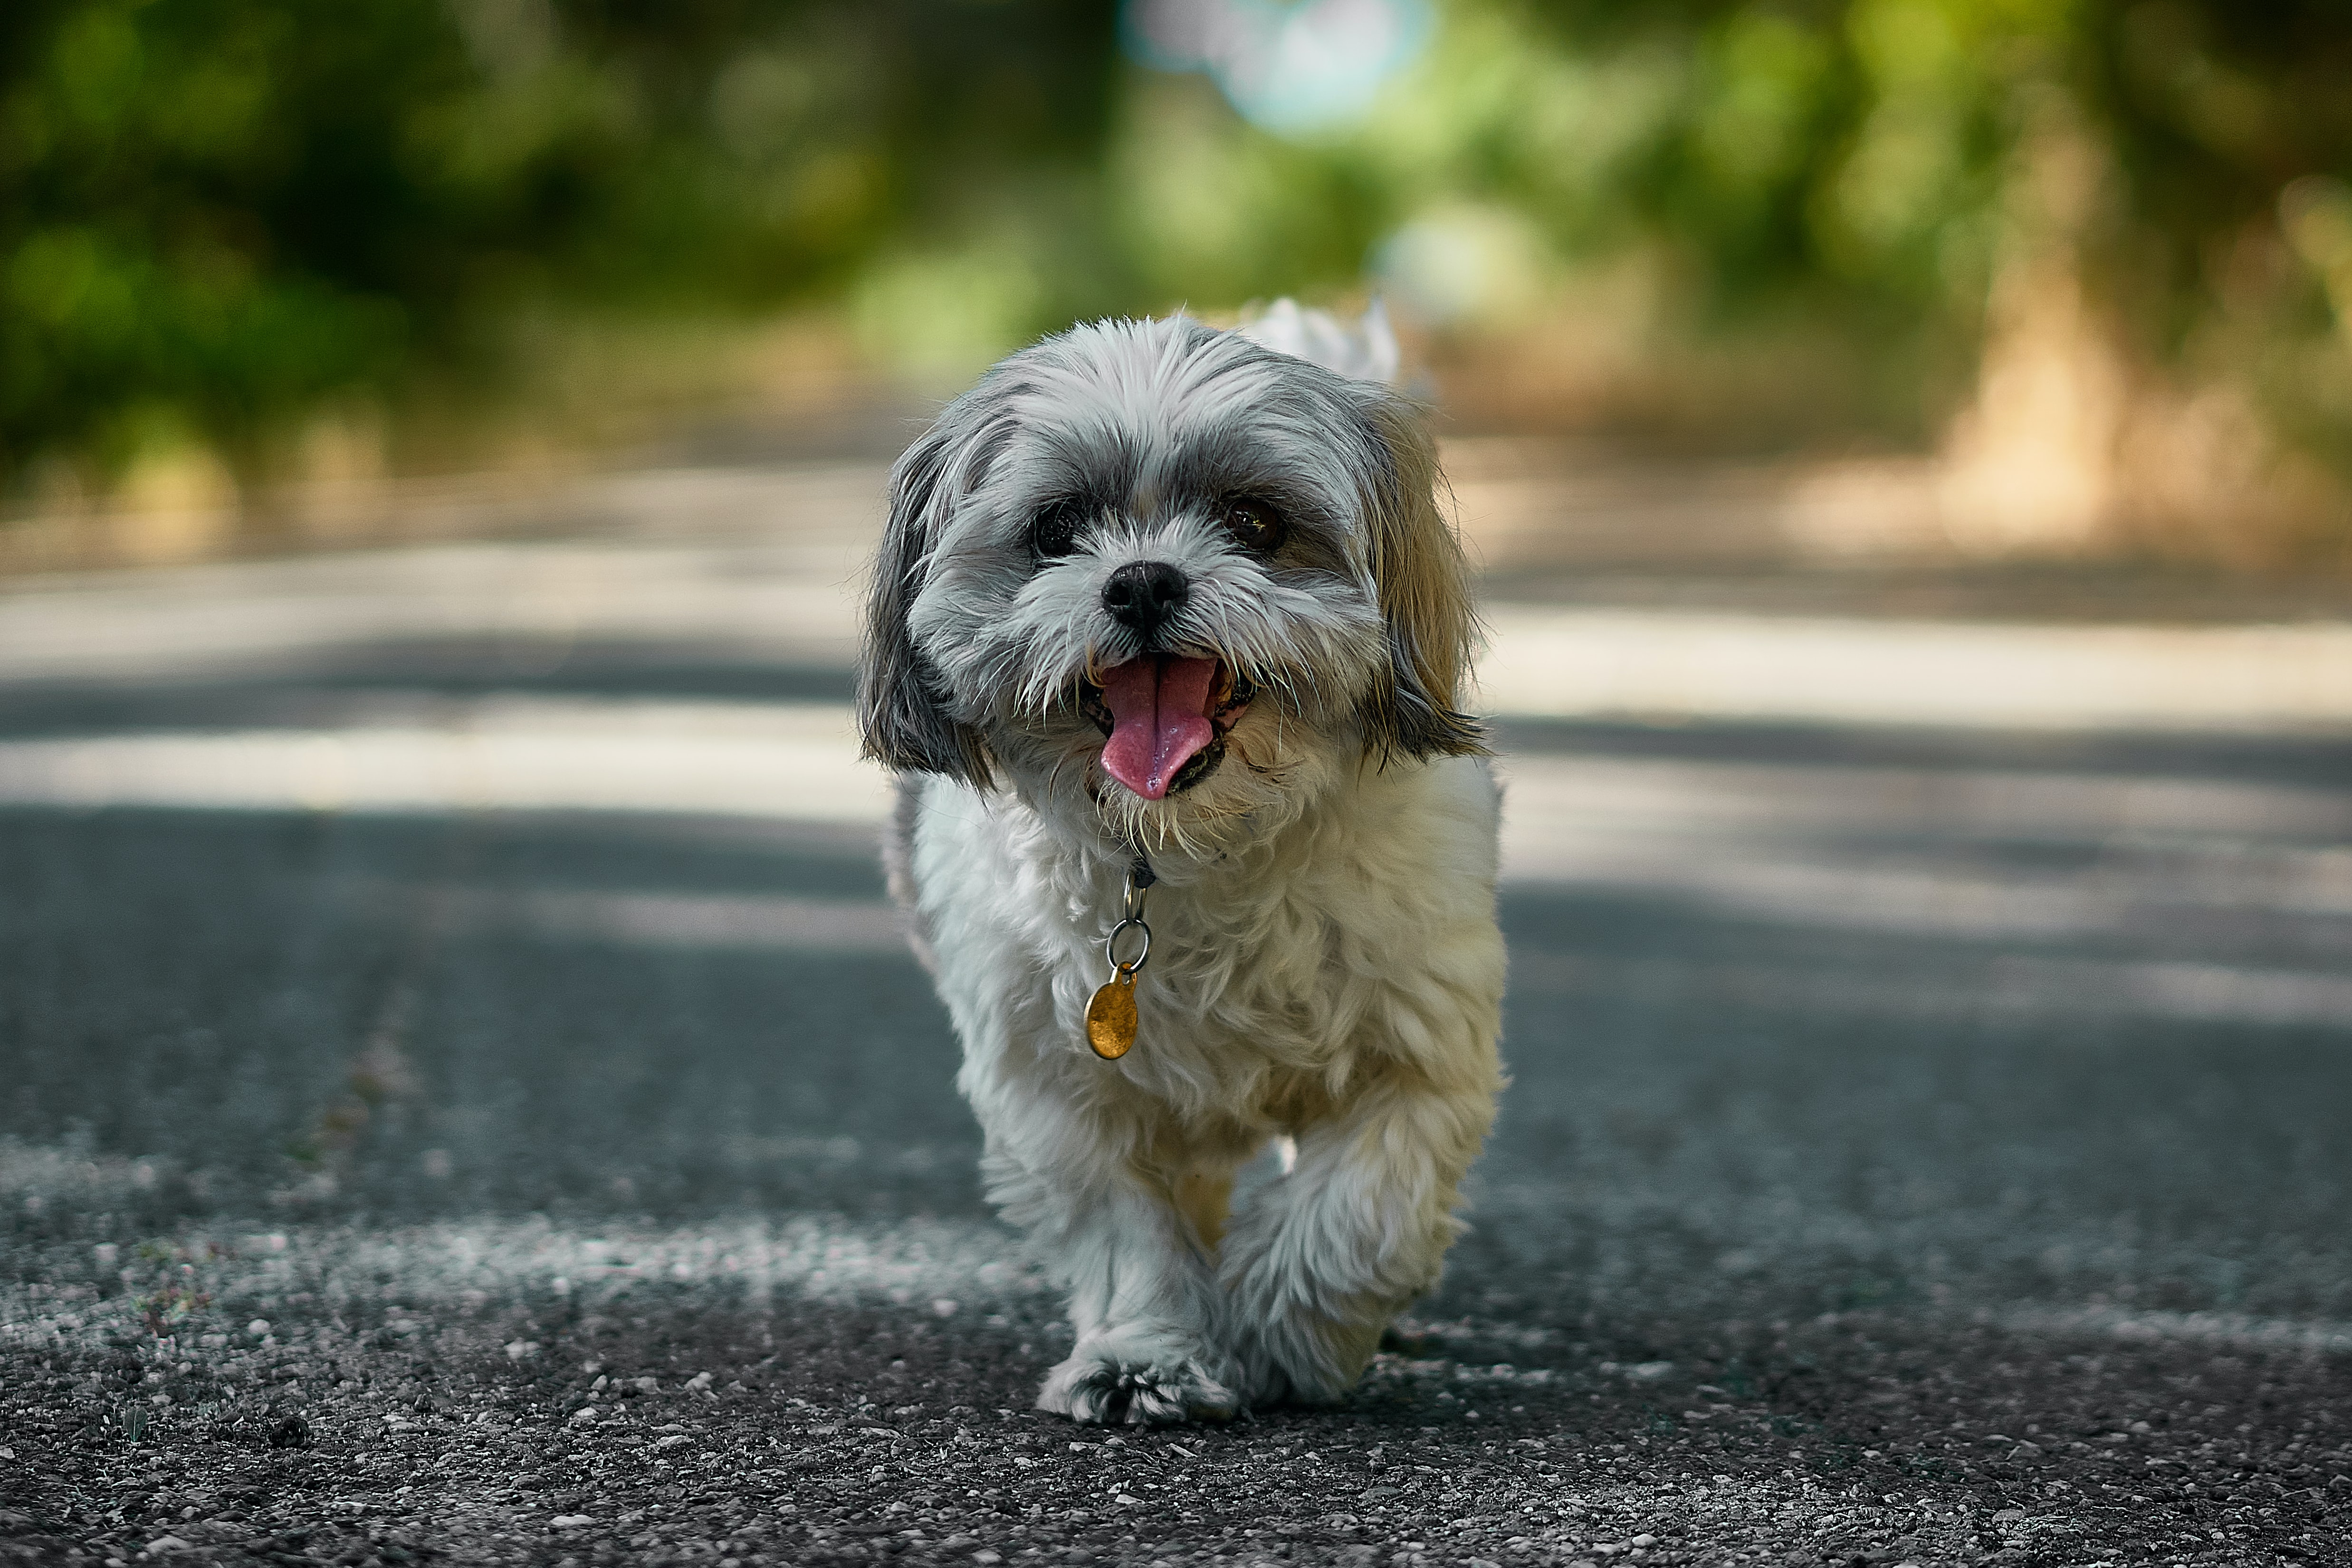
(1361, 934)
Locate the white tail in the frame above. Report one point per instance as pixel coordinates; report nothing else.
(1364, 352)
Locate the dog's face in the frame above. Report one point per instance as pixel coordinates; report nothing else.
(1160, 572)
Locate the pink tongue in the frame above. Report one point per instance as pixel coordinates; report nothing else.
(1158, 719)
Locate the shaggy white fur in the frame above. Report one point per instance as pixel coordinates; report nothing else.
(1325, 967)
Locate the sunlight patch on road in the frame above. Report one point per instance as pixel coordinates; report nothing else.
(1593, 797)
(800, 760)
(785, 596)
(715, 922)
(1942, 852)
(1793, 844)
(2234, 1331)
(2010, 984)
(1573, 663)
(492, 1264)
(513, 753)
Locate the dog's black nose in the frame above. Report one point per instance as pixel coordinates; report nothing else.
(1145, 593)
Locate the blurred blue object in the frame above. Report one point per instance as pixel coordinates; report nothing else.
(1288, 69)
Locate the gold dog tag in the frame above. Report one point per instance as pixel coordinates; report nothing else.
(1110, 1017)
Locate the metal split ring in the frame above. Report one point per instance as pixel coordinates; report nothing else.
(1110, 946)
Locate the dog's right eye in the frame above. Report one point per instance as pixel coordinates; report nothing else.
(1053, 532)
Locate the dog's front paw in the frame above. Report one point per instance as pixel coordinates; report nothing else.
(1116, 1377)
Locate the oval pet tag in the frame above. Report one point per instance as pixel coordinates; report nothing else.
(1110, 1017)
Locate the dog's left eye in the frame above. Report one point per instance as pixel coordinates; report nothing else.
(1254, 525)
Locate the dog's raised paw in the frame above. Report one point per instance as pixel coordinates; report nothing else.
(1112, 1380)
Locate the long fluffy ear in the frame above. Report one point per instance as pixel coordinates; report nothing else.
(1425, 588)
(901, 712)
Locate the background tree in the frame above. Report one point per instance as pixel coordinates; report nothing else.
(2105, 242)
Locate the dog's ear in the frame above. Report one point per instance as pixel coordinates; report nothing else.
(1424, 592)
(901, 712)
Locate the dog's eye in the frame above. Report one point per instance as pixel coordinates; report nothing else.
(1053, 532)
(1254, 525)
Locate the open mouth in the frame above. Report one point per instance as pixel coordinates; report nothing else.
(1165, 719)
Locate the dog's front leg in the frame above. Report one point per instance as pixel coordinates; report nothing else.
(1320, 1259)
(1143, 1292)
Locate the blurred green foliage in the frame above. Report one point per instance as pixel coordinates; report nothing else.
(1859, 172)
(213, 214)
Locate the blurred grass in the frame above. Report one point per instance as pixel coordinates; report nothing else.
(2093, 257)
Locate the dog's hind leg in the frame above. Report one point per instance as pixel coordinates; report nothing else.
(1320, 1259)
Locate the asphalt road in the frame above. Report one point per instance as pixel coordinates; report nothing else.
(462, 1098)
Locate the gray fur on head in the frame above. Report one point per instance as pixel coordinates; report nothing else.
(1134, 435)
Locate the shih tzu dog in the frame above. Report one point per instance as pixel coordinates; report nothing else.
(1168, 617)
